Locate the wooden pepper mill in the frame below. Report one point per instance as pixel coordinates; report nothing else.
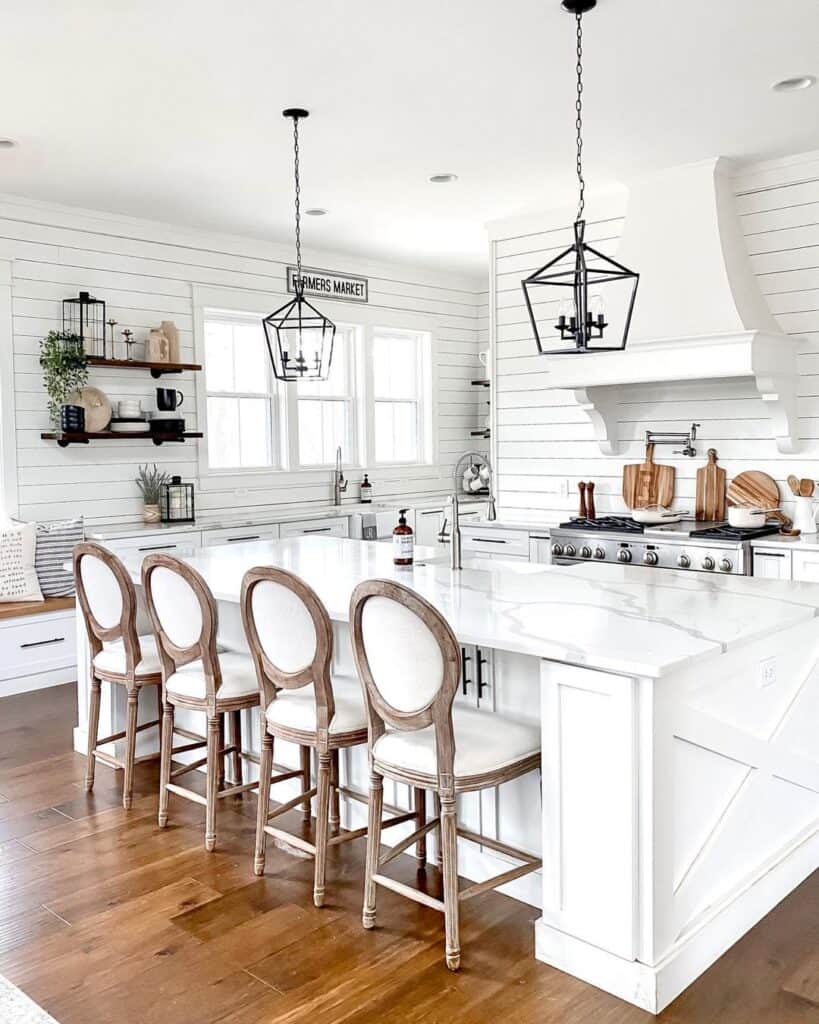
(591, 513)
(582, 510)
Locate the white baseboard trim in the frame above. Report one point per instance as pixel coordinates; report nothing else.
(653, 988)
(42, 681)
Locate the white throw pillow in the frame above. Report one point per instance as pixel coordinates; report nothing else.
(18, 577)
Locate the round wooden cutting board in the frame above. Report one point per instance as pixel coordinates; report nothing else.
(755, 489)
(98, 409)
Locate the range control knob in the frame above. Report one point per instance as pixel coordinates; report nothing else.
(650, 558)
(570, 550)
(599, 553)
(624, 555)
(585, 552)
(684, 562)
(557, 550)
(726, 565)
(708, 562)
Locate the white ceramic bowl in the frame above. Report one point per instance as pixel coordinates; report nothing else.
(654, 515)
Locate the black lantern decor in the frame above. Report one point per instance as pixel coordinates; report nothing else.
(176, 502)
(299, 338)
(567, 294)
(84, 317)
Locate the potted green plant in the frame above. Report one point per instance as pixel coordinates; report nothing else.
(65, 370)
(150, 481)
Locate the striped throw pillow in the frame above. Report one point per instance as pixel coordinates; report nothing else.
(55, 544)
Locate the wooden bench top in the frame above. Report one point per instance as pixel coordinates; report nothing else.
(18, 609)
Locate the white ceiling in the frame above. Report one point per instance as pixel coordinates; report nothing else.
(170, 109)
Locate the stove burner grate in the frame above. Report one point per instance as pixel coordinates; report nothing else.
(735, 533)
(612, 524)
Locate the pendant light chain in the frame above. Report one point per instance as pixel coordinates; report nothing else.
(579, 120)
(298, 198)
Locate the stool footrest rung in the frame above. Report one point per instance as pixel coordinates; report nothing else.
(409, 892)
(399, 848)
(187, 794)
(282, 808)
(502, 879)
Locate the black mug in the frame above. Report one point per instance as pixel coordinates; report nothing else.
(168, 399)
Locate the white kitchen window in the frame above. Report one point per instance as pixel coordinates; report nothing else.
(242, 401)
(401, 390)
(326, 410)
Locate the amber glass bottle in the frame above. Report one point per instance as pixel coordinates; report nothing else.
(402, 540)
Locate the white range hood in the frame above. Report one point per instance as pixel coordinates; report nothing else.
(699, 313)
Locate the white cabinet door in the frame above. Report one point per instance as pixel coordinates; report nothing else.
(427, 525)
(540, 549)
(339, 527)
(772, 563)
(806, 566)
(239, 534)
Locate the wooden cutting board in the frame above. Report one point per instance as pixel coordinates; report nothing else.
(647, 483)
(710, 500)
(755, 489)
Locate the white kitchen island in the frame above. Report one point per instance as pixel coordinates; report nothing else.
(680, 723)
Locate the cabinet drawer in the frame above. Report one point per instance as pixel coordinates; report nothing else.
(239, 534)
(37, 644)
(156, 542)
(501, 543)
(318, 527)
(806, 566)
(771, 564)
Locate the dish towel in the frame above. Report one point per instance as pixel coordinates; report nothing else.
(17, 1008)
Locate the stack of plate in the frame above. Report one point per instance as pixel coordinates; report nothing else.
(128, 425)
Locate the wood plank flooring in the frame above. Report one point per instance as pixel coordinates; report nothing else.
(106, 918)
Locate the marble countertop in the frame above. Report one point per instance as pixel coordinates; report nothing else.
(610, 617)
(804, 542)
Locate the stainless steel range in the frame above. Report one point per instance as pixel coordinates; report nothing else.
(698, 547)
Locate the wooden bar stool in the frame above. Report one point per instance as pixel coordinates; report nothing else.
(196, 677)
(119, 655)
(409, 662)
(302, 701)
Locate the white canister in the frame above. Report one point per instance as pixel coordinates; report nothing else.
(804, 518)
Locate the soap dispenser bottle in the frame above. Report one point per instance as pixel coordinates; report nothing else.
(366, 491)
(402, 540)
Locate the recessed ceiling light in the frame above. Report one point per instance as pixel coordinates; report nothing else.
(7, 143)
(316, 211)
(442, 179)
(795, 84)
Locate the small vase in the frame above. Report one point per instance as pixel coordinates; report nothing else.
(150, 513)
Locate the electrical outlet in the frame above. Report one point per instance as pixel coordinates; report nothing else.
(767, 672)
(563, 488)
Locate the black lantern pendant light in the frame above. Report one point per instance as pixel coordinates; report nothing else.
(580, 276)
(299, 338)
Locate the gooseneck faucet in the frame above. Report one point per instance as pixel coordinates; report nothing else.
(339, 482)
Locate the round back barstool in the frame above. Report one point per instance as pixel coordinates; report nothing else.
(196, 677)
(304, 702)
(118, 654)
(409, 662)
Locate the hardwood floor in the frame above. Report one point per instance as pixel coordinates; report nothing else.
(104, 917)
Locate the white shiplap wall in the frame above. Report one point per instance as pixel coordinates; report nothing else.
(146, 273)
(544, 442)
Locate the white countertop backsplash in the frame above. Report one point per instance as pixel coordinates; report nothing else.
(610, 617)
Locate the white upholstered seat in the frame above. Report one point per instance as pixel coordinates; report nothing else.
(296, 709)
(112, 658)
(483, 743)
(238, 679)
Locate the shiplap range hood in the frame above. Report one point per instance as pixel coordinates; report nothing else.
(699, 314)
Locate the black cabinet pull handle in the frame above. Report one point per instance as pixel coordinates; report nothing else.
(431, 512)
(769, 554)
(157, 547)
(480, 661)
(43, 643)
(465, 682)
(318, 529)
(232, 540)
(488, 540)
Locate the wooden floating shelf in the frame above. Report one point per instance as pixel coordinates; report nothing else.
(157, 369)
(67, 438)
